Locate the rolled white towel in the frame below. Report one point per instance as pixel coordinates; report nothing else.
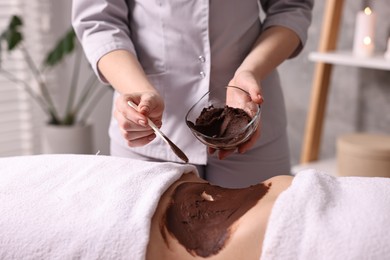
(79, 206)
(324, 217)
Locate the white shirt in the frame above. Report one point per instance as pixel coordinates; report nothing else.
(186, 47)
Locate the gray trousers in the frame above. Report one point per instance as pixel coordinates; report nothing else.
(252, 167)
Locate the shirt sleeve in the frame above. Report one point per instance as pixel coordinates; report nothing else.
(101, 26)
(293, 14)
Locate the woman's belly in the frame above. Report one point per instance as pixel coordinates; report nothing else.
(195, 219)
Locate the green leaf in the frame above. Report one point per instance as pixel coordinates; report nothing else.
(12, 34)
(16, 22)
(64, 46)
(13, 39)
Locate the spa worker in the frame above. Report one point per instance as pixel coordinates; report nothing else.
(164, 55)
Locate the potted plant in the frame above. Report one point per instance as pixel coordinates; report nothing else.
(80, 101)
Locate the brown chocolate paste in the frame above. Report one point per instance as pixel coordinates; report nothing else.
(200, 215)
(221, 122)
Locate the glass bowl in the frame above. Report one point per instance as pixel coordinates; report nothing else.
(229, 118)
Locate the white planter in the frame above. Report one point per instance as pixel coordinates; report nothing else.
(77, 139)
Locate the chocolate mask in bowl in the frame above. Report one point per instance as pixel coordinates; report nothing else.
(224, 125)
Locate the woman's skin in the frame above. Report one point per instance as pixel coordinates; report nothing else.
(126, 75)
(247, 233)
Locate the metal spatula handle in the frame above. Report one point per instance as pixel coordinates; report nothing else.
(158, 132)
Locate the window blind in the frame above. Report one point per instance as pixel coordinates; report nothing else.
(20, 118)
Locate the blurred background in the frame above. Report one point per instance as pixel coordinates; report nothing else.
(358, 101)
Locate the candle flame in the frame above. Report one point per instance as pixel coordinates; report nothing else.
(367, 11)
(367, 40)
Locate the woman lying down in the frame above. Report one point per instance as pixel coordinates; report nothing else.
(101, 207)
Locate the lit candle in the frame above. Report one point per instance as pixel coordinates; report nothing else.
(387, 54)
(364, 33)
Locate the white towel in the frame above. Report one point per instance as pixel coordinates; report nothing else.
(79, 206)
(323, 217)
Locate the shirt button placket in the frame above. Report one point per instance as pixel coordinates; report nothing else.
(202, 60)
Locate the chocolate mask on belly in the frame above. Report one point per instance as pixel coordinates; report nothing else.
(200, 215)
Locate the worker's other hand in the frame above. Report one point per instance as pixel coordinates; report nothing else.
(246, 81)
(133, 123)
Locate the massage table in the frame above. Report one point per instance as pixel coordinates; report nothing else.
(100, 207)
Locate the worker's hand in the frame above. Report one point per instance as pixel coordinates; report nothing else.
(246, 81)
(133, 123)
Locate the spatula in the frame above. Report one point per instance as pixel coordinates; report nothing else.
(173, 146)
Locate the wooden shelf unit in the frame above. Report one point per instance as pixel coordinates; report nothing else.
(346, 58)
(325, 58)
(321, 80)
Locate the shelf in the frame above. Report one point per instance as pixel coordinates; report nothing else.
(377, 61)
